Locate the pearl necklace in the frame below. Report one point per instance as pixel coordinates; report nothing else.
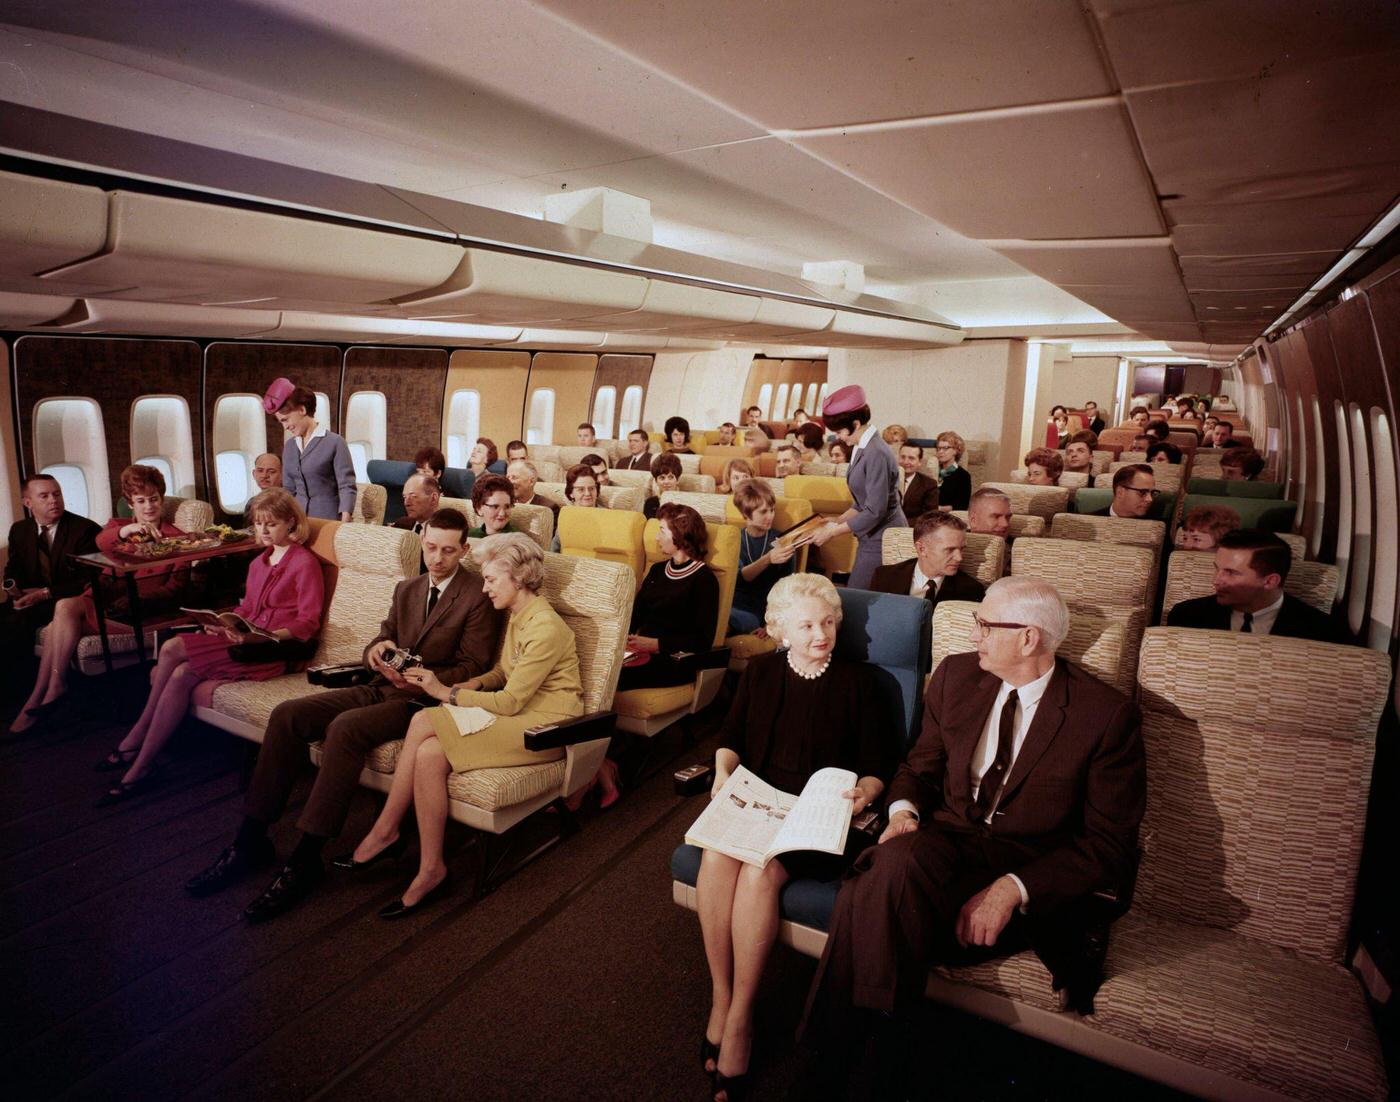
(807, 676)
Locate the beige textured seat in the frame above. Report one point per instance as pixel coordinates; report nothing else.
(536, 521)
(610, 497)
(371, 503)
(1166, 476)
(1297, 544)
(1151, 534)
(984, 557)
(697, 484)
(1035, 501)
(638, 480)
(711, 507)
(825, 470)
(1020, 524)
(1070, 480)
(1206, 464)
(1191, 574)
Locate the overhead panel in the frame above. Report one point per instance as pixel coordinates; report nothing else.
(19, 311)
(1069, 264)
(678, 307)
(851, 330)
(563, 339)
(163, 249)
(162, 319)
(778, 319)
(46, 224)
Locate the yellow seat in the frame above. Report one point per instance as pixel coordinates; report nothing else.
(830, 497)
(613, 535)
(642, 704)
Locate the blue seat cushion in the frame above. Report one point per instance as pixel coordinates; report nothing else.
(458, 482)
(391, 474)
(893, 634)
(806, 902)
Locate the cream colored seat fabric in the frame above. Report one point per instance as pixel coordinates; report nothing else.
(984, 557)
(826, 469)
(1166, 476)
(711, 507)
(638, 480)
(697, 483)
(1070, 480)
(1035, 501)
(1297, 544)
(611, 497)
(1191, 574)
(371, 503)
(1020, 524)
(536, 521)
(1135, 533)
(1206, 464)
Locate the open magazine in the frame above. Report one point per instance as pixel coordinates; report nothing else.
(207, 617)
(751, 821)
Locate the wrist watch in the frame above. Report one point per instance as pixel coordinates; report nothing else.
(452, 696)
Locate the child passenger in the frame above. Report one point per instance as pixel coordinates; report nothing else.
(762, 559)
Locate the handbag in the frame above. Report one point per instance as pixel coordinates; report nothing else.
(273, 650)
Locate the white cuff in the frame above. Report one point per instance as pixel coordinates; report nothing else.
(1025, 895)
(908, 805)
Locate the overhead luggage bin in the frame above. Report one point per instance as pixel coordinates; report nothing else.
(160, 249)
(566, 339)
(852, 330)
(161, 319)
(19, 311)
(306, 326)
(681, 307)
(505, 288)
(777, 319)
(46, 224)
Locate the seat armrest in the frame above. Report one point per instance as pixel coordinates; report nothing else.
(717, 658)
(567, 732)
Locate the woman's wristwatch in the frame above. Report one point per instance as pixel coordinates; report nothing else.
(452, 696)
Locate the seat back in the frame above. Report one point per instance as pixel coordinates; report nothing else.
(371, 502)
(1070, 480)
(1135, 533)
(392, 474)
(609, 497)
(1234, 487)
(370, 561)
(984, 557)
(786, 513)
(1116, 439)
(717, 455)
(613, 535)
(322, 545)
(1033, 501)
(1100, 459)
(637, 480)
(1102, 642)
(1265, 514)
(1097, 498)
(536, 521)
(189, 513)
(1191, 574)
(1256, 811)
(1020, 525)
(594, 598)
(1205, 464)
(458, 481)
(829, 496)
(697, 484)
(711, 507)
(722, 556)
(1166, 476)
(1296, 543)
(891, 633)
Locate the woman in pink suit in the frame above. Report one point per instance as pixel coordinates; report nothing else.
(285, 596)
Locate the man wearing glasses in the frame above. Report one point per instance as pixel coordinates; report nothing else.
(1134, 487)
(1021, 798)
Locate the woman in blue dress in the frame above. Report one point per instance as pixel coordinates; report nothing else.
(316, 464)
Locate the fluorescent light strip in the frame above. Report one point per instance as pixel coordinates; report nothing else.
(1377, 233)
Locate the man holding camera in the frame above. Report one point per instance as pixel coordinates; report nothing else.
(442, 619)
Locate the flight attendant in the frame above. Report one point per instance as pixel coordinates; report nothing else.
(316, 464)
(873, 477)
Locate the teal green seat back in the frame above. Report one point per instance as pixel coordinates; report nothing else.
(1265, 514)
(1226, 487)
(1096, 499)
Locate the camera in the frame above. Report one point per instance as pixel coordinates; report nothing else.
(398, 659)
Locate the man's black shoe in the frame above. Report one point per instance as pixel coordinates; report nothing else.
(230, 866)
(288, 888)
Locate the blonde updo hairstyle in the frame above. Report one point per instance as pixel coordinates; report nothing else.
(522, 556)
(789, 591)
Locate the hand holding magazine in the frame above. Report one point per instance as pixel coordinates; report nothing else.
(220, 621)
(753, 822)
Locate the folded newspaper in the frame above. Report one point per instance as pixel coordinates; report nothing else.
(751, 821)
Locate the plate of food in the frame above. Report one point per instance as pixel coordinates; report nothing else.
(166, 546)
(226, 533)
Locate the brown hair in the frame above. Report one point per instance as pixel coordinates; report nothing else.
(574, 473)
(301, 397)
(1083, 436)
(688, 531)
(737, 465)
(894, 433)
(933, 520)
(1215, 519)
(809, 435)
(1123, 475)
(431, 458)
(139, 478)
(489, 484)
(751, 495)
(1248, 460)
(279, 504)
(1053, 462)
(665, 463)
(491, 454)
(1268, 554)
(950, 437)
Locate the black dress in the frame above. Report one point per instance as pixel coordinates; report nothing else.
(678, 607)
(785, 727)
(955, 491)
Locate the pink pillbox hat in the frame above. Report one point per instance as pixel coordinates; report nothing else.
(281, 390)
(844, 400)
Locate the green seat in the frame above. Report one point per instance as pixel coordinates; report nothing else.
(1100, 497)
(1226, 487)
(1264, 514)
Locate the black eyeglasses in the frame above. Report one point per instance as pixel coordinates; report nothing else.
(1140, 491)
(984, 626)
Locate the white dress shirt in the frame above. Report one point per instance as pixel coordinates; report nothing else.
(864, 439)
(1264, 620)
(441, 587)
(302, 441)
(922, 580)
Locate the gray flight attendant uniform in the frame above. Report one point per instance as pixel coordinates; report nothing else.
(873, 477)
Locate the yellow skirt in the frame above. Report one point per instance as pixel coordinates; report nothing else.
(501, 744)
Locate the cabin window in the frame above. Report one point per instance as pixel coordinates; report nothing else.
(795, 403)
(605, 411)
(161, 438)
(821, 395)
(631, 411)
(239, 437)
(1344, 502)
(540, 428)
(366, 429)
(811, 404)
(780, 404)
(325, 412)
(1361, 519)
(463, 425)
(1319, 489)
(765, 399)
(1299, 457)
(1387, 536)
(71, 444)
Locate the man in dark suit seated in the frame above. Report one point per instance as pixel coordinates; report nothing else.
(1095, 425)
(917, 491)
(1250, 569)
(443, 617)
(39, 571)
(421, 494)
(753, 418)
(1021, 798)
(638, 457)
(1134, 487)
(939, 542)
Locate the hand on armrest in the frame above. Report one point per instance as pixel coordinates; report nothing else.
(567, 732)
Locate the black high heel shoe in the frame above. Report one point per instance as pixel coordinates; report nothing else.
(392, 852)
(735, 1087)
(117, 759)
(708, 1051)
(398, 909)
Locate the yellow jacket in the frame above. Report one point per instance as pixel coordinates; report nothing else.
(537, 670)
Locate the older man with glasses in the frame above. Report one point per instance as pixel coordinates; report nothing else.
(1134, 488)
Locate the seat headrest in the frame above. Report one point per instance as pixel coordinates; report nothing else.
(365, 549)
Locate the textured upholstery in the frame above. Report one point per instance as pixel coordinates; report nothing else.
(639, 480)
(1099, 461)
(1166, 476)
(647, 703)
(547, 470)
(1020, 524)
(371, 503)
(722, 555)
(1069, 480)
(711, 507)
(1265, 514)
(372, 561)
(1297, 544)
(697, 484)
(1206, 464)
(570, 455)
(1191, 574)
(1035, 501)
(536, 521)
(546, 453)
(613, 535)
(820, 470)
(189, 514)
(1135, 533)
(1101, 497)
(610, 497)
(252, 702)
(984, 557)
(1093, 575)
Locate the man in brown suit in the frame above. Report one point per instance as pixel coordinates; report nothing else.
(933, 574)
(918, 492)
(1022, 797)
(443, 617)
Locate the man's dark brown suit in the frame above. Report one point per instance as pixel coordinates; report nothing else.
(457, 642)
(920, 497)
(899, 578)
(1066, 825)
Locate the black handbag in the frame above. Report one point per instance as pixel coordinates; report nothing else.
(273, 650)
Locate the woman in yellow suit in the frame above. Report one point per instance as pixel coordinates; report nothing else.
(483, 721)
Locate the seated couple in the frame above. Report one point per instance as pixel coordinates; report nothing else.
(452, 619)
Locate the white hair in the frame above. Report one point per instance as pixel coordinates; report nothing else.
(794, 588)
(534, 471)
(1035, 603)
(522, 557)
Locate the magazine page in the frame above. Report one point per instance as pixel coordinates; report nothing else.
(821, 816)
(742, 819)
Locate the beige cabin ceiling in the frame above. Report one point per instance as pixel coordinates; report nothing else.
(1182, 167)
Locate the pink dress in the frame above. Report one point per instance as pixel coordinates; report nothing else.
(289, 595)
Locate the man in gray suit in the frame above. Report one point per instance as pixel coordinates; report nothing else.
(443, 617)
(873, 477)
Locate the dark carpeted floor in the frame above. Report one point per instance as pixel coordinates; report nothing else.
(578, 978)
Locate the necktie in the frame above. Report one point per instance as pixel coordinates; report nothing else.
(1248, 623)
(418, 531)
(45, 551)
(433, 594)
(995, 776)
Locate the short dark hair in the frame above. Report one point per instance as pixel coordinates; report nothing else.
(431, 458)
(1123, 475)
(750, 409)
(301, 397)
(489, 484)
(910, 444)
(593, 459)
(491, 454)
(1059, 407)
(1167, 448)
(788, 448)
(809, 434)
(1248, 460)
(688, 531)
(1136, 410)
(1158, 428)
(730, 425)
(1091, 402)
(574, 473)
(846, 420)
(1269, 554)
(1229, 425)
(674, 423)
(518, 444)
(454, 520)
(588, 425)
(639, 432)
(1083, 436)
(930, 522)
(41, 477)
(666, 463)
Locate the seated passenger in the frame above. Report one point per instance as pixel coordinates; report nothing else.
(1079, 453)
(1241, 465)
(39, 570)
(809, 438)
(954, 483)
(517, 449)
(444, 618)
(1250, 569)
(581, 489)
(431, 462)
(1057, 431)
(677, 607)
(1141, 442)
(763, 561)
(998, 855)
(267, 471)
(638, 457)
(1139, 416)
(1134, 488)
(789, 461)
(1223, 436)
(728, 434)
(756, 440)
(159, 590)
(284, 596)
(1096, 423)
(666, 473)
(736, 473)
(1208, 431)
(799, 418)
(492, 497)
(587, 436)
(535, 681)
(939, 542)
(1204, 527)
(753, 418)
(989, 512)
(598, 465)
(895, 436)
(1163, 451)
(1159, 430)
(483, 455)
(1043, 467)
(918, 493)
(677, 431)
(796, 711)
(522, 476)
(421, 494)
(839, 452)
